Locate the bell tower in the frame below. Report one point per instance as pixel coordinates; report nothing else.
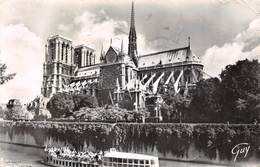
(59, 65)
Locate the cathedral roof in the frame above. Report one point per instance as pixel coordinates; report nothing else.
(117, 50)
(168, 57)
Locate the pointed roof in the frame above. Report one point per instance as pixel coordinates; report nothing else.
(132, 16)
(115, 49)
(178, 55)
(132, 45)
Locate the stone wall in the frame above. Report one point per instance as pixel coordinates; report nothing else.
(189, 142)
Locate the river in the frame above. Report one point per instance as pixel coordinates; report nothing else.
(24, 156)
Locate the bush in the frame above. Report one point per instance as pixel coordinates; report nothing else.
(15, 111)
(109, 114)
(61, 104)
(64, 104)
(84, 100)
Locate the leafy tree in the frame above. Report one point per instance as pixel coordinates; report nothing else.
(64, 104)
(4, 77)
(205, 104)
(84, 100)
(240, 88)
(15, 110)
(61, 104)
(254, 107)
(176, 105)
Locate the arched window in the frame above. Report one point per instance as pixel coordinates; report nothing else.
(87, 58)
(62, 51)
(90, 58)
(66, 56)
(52, 47)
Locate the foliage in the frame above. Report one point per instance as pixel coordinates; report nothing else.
(4, 77)
(240, 92)
(234, 99)
(64, 104)
(60, 104)
(205, 104)
(109, 114)
(214, 140)
(175, 106)
(15, 111)
(83, 100)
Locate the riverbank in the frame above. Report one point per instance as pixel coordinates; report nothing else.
(211, 143)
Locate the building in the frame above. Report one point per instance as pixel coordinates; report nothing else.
(59, 65)
(119, 75)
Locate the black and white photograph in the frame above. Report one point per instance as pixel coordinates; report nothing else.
(130, 83)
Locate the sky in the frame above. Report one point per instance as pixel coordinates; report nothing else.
(221, 31)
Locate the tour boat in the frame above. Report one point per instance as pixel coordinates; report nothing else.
(115, 158)
(61, 162)
(111, 158)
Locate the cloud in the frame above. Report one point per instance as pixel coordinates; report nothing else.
(22, 52)
(246, 45)
(94, 31)
(63, 27)
(97, 29)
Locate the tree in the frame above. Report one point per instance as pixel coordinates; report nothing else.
(205, 104)
(61, 104)
(4, 77)
(240, 89)
(176, 105)
(64, 104)
(253, 107)
(14, 110)
(84, 100)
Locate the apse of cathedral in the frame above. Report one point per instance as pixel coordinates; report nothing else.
(118, 75)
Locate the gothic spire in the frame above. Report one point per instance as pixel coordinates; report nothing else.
(132, 46)
(132, 16)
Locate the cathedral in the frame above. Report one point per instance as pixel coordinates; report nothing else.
(118, 75)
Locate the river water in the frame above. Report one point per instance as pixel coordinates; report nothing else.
(23, 156)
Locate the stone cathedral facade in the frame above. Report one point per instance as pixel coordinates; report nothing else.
(117, 75)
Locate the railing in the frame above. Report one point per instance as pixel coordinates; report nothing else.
(85, 77)
(170, 65)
